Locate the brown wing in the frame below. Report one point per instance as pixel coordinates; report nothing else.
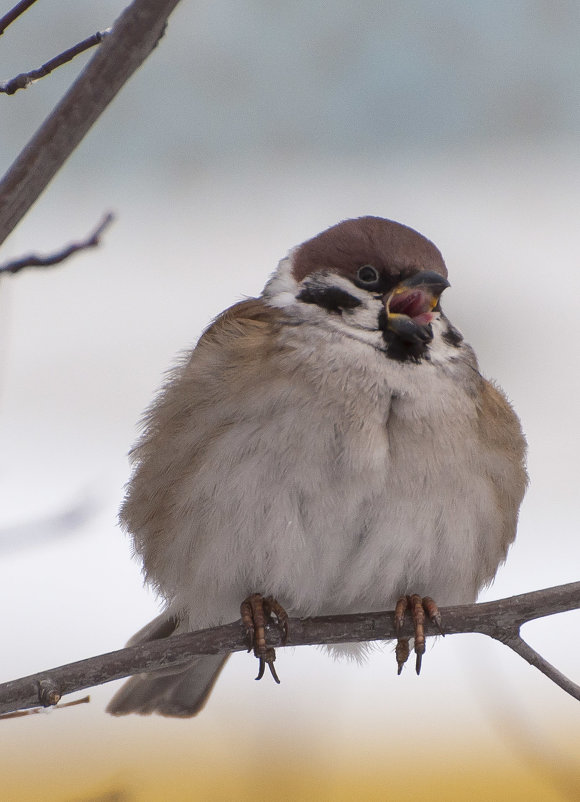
(501, 434)
(189, 412)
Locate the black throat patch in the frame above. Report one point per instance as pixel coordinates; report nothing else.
(413, 349)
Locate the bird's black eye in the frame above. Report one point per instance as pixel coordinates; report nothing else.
(368, 275)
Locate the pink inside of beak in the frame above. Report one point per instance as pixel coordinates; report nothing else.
(414, 303)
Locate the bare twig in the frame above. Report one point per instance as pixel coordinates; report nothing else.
(133, 36)
(35, 260)
(26, 78)
(34, 710)
(14, 13)
(519, 646)
(500, 620)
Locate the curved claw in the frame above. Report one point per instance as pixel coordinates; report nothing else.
(401, 653)
(418, 607)
(255, 612)
(418, 661)
(433, 612)
(273, 673)
(267, 660)
(272, 605)
(400, 610)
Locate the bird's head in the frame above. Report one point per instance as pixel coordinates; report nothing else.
(378, 281)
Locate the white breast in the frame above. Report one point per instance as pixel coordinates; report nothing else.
(358, 480)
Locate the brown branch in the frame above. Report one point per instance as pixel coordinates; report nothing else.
(26, 78)
(35, 260)
(519, 646)
(133, 36)
(14, 13)
(499, 619)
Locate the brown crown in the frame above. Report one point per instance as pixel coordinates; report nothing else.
(391, 247)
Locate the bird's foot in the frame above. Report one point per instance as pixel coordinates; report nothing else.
(256, 612)
(418, 608)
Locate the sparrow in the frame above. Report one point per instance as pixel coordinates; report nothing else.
(329, 447)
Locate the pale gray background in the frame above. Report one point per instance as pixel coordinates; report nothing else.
(252, 127)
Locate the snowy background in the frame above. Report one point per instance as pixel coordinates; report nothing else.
(252, 127)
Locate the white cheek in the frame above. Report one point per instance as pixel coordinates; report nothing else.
(282, 300)
(440, 351)
(365, 316)
(360, 323)
(282, 288)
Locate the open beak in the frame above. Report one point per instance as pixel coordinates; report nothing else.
(410, 306)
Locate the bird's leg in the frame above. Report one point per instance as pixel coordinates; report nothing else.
(418, 616)
(256, 612)
(402, 653)
(418, 607)
(402, 648)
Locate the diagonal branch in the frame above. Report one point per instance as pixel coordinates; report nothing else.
(519, 646)
(133, 36)
(26, 78)
(499, 619)
(14, 13)
(35, 260)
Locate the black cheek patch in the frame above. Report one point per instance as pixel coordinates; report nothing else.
(332, 298)
(451, 335)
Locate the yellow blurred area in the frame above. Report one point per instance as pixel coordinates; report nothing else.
(49, 757)
(288, 782)
(270, 774)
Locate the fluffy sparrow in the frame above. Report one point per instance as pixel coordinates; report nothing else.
(331, 445)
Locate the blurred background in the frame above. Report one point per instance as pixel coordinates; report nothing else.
(252, 127)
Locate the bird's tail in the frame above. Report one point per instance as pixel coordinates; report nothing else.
(181, 692)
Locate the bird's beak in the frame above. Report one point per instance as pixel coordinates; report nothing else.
(410, 305)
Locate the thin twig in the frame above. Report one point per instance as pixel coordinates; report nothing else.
(35, 260)
(14, 13)
(133, 37)
(35, 710)
(519, 646)
(499, 620)
(26, 78)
